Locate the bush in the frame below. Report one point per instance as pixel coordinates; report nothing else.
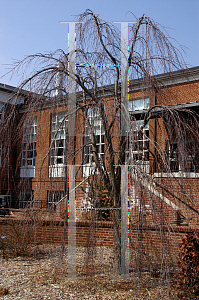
(188, 277)
(19, 235)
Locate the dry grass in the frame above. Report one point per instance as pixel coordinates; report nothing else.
(102, 284)
(45, 277)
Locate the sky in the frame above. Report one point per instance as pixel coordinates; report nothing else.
(32, 26)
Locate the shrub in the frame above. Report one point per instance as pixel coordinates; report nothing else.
(188, 278)
(19, 235)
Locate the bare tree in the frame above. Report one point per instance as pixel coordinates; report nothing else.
(98, 86)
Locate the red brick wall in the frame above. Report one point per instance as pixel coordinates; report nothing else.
(149, 237)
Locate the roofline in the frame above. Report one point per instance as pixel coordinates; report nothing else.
(163, 79)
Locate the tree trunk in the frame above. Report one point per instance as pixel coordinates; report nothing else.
(116, 229)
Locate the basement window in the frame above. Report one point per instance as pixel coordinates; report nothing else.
(26, 199)
(53, 198)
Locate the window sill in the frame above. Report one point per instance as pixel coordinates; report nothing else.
(177, 175)
(88, 169)
(57, 171)
(28, 171)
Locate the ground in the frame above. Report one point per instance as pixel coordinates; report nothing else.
(45, 277)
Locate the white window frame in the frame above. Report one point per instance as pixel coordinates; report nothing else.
(29, 150)
(95, 122)
(139, 140)
(138, 104)
(59, 134)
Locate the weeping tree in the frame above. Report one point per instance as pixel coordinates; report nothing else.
(102, 96)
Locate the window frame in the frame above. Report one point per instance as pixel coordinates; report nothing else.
(96, 122)
(138, 141)
(29, 145)
(180, 165)
(54, 194)
(24, 203)
(135, 104)
(58, 151)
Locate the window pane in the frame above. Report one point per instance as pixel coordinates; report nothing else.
(138, 104)
(29, 144)
(58, 128)
(96, 122)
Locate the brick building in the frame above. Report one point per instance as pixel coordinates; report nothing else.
(35, 157)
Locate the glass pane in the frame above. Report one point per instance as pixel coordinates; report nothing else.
(29, 162)
(97, 139)
(60, 151)
(86, 158)
(35, 121)
(59, 160)
(146, 145)
(130, 108)
(30, 154)
(138, 104)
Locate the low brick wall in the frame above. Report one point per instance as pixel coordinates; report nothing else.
(99, 233)
(53, 233)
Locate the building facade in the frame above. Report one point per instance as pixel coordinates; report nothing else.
(162, 149)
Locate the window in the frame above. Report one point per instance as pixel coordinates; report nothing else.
(96, 123)
(26, 199)
(5, 200)
(53, 198)
(184, 158)
(29, 145)
(139, 142)
(59, 132)
(138, 150)
(138, 104)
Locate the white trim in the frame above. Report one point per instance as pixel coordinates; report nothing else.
(27, 171)
(88, 169)
(177, 175)
(57, 171)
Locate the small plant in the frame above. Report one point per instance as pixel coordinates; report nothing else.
(188, 278)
